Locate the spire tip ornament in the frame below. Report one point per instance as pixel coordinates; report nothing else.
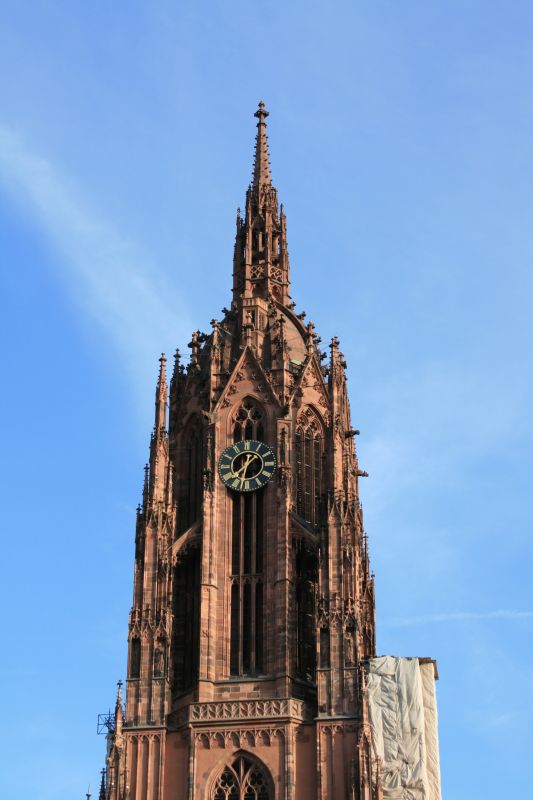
(261, 112)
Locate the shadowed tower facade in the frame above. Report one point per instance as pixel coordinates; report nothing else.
(253, 602)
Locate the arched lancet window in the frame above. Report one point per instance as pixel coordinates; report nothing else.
(243, 779)
(309, 451)
(190, 501)
(246, 645)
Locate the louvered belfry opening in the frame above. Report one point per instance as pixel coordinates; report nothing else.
(247, 531)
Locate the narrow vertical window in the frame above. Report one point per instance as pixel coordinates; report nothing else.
(246, 626)
(299, 469)
(259, 627)
(135, 658)
(186, 613)
(309, 452)
(305, 588)
(324, 647)
(235, 630)
(190, 500)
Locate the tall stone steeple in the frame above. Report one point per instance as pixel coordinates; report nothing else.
(261, 261)
(253, 609)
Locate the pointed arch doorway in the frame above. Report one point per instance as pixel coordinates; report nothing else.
(244, 778)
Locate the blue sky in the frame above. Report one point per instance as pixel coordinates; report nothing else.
(401, 144)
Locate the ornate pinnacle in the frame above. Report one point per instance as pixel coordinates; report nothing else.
(146, 484)
(177, 364)
(161, 394)
(162, 371)
(311, 336)
(261, 163)
(118, 709)
(102, 786)
(195, 346)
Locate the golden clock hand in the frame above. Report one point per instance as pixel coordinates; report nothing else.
(251, 458)
(237, 472)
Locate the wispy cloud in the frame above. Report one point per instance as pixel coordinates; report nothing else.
(109, 274)
(458, 616)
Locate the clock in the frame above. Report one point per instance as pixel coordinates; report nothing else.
(246, 465)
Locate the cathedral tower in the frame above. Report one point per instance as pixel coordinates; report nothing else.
(253, 601)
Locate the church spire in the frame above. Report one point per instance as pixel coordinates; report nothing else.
(262, 159)
(261, 259)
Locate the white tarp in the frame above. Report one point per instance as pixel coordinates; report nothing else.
(403, 718)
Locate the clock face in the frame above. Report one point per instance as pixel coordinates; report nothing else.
(247, 465)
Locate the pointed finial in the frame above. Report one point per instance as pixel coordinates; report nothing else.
(311, 335)
(334, 347)
(102, 786)
(177, 364)
(118, 709)
(146, 480)
(161, 395)
(195, 346)
(88, 792)
(119, 696)
(261, 112)
(262, 162)
(162, 369)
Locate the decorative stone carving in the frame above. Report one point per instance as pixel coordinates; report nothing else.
(248, 709)
(241, 737)
(334, 612)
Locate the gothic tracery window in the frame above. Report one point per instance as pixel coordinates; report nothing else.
(309, 451)
(244, 779)
(248, 421)
(246, 641)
